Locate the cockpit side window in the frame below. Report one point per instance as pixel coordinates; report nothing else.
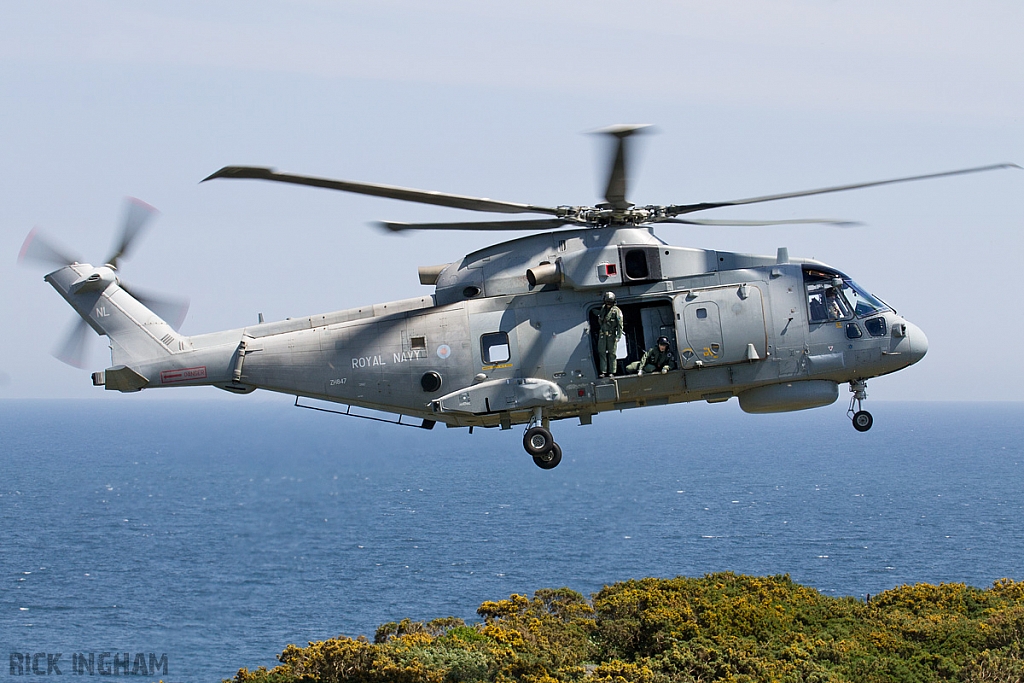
(831, 296)
(826, 303)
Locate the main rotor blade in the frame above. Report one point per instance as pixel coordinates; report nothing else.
(72, 349)
(678, 209)
(618, 181)
(137, 214)
(792, 221)
(539, 224)
(37, 248)
(405, 194)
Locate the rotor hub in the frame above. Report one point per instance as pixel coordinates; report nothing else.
(602, 215)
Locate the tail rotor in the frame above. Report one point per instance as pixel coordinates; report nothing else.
(42, 250)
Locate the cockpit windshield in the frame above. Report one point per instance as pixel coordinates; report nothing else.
(863, 303)
(832, 296)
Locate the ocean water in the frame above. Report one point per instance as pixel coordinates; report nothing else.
(217, 532)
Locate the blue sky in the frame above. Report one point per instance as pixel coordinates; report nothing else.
(106, 99)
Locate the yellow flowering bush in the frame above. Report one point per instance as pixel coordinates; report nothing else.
(721, 627)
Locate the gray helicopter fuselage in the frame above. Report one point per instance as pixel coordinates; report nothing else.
(510, 334)
(507, 336)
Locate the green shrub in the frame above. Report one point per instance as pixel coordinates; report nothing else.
(721, 627)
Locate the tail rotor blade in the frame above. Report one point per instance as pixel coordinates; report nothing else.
(41, 250)
(137, 214)
(171, 309)
(72, 349)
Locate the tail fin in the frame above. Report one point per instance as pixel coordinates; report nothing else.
(136, 333)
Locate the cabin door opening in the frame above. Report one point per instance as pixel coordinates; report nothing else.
(642, 324)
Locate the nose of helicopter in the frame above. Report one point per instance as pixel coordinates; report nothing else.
(918, 342)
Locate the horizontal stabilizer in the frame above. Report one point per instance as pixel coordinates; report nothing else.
(119, 378)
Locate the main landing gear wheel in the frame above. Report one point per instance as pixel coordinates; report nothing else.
(538, 442)
(862, 420)
(550, 459)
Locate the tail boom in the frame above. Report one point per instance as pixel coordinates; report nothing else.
(145, 351)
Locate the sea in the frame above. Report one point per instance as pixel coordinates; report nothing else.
(213, 533)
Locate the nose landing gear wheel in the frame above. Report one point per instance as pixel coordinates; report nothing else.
(862, 421)
(550, 459)
(538, 441)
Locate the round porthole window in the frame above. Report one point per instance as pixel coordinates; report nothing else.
(431, 382)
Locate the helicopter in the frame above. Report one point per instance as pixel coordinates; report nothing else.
(509, 336)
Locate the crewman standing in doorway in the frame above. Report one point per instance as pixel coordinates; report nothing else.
(609, 333)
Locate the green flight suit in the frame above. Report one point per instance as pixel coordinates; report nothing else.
(609, 320)
(653, 360)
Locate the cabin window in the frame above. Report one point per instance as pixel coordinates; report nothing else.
(418, 343)
(853, 331)
(702, 313)
(494, 348)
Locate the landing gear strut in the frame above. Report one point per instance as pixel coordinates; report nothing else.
(539, 443)
(862, 419)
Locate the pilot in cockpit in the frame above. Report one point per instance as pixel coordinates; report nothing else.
(835, 305)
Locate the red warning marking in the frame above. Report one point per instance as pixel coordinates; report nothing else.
(28, 241)
(183, 375)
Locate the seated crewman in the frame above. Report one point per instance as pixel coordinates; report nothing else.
(655, 359)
